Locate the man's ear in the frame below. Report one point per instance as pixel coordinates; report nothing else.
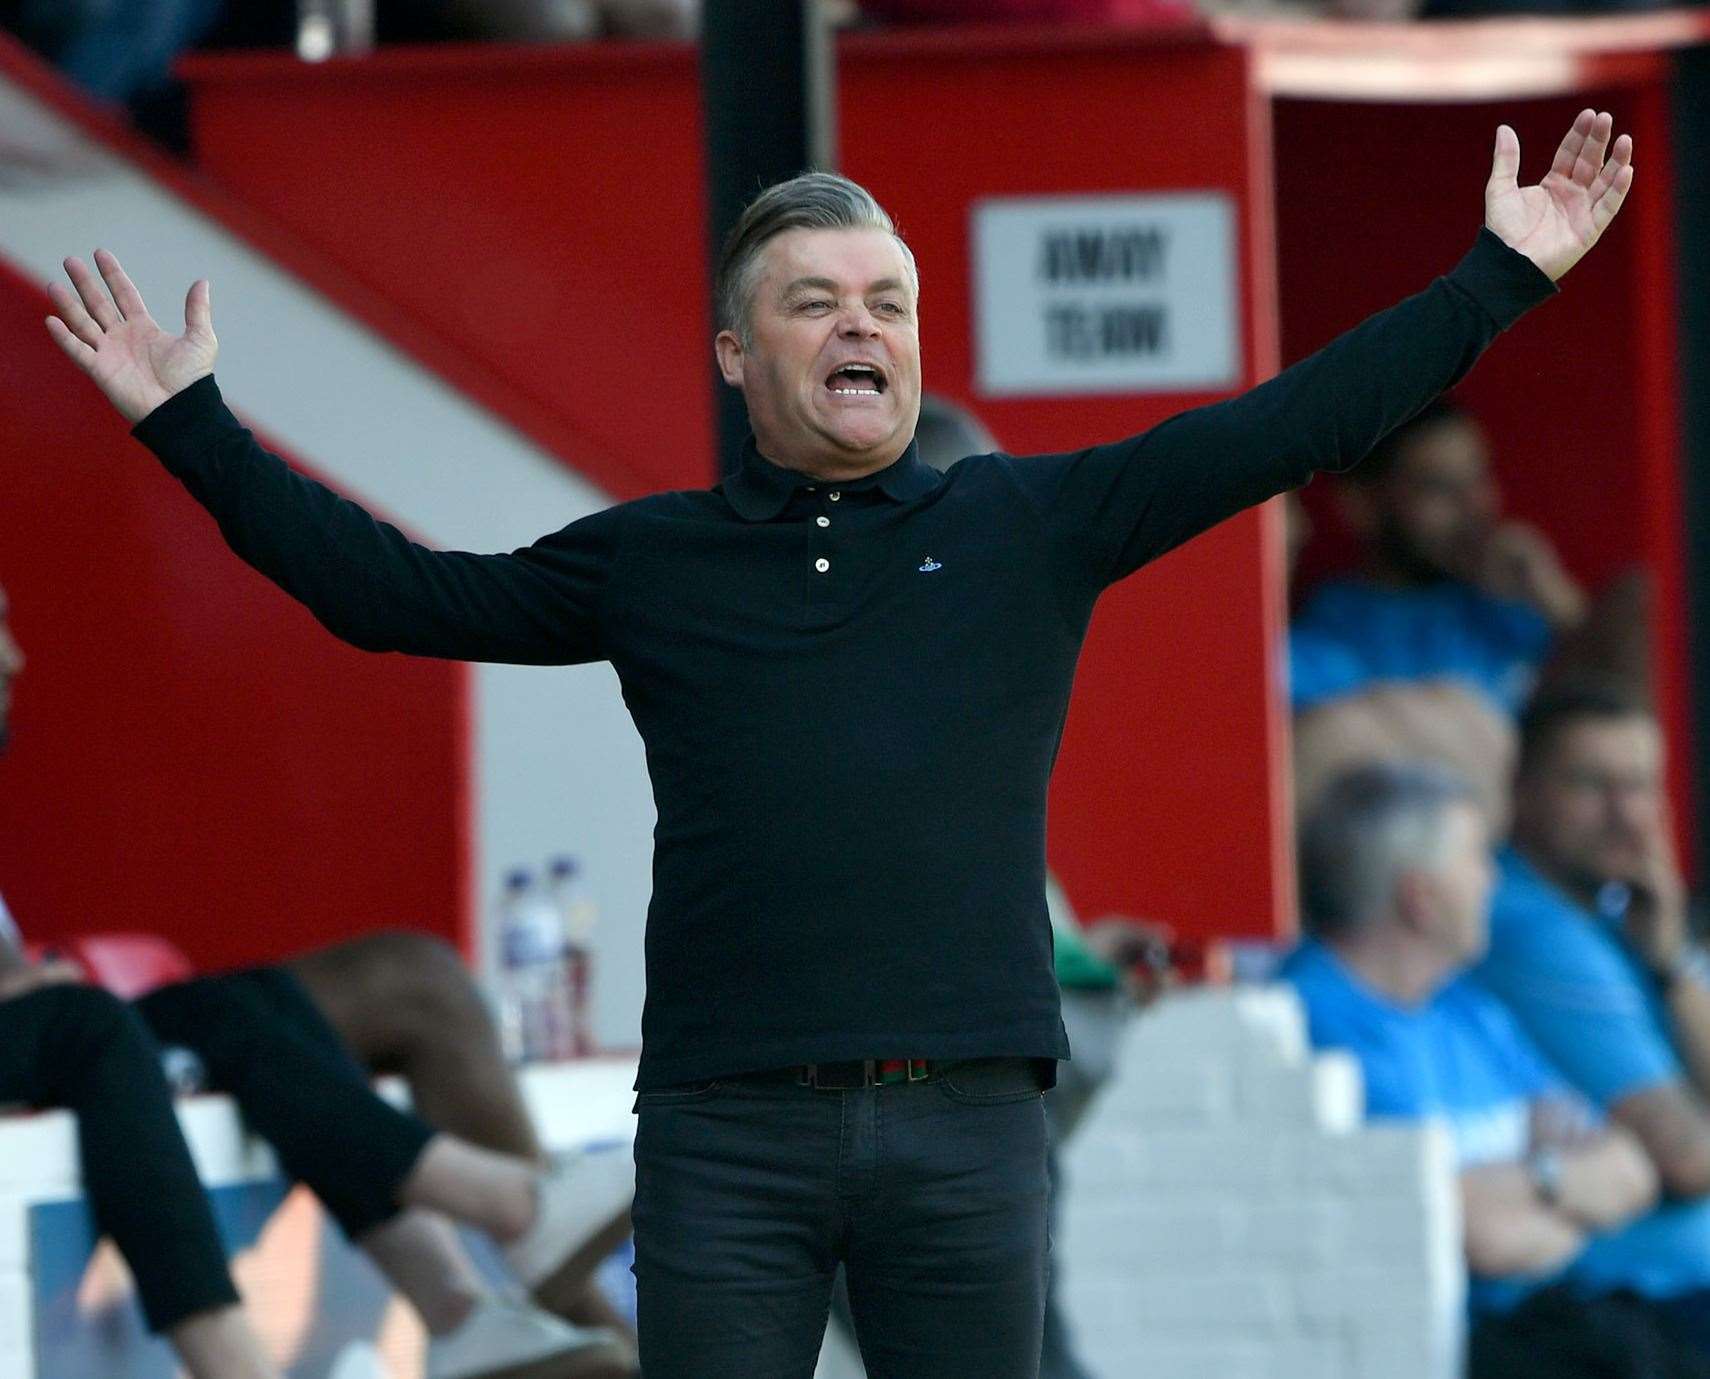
(728, 347)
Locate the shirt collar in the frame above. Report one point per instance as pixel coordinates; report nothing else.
(760, 489)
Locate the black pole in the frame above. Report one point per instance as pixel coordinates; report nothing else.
(1691, 106)
(762, 86)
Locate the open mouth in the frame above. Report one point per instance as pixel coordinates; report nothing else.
(857, 380)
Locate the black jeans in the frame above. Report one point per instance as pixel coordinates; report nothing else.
(1058, 1358)
(266, 1044)
(932, 1194)
(78, 1047)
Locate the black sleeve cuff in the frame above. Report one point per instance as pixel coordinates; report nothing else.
(186, 424)
(1503, 281)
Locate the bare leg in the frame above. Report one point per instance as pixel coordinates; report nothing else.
(405, 1003)
(497, 1193)
(421, 1256)
(219, 1344)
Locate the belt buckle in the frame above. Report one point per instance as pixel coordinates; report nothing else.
(869, 1077)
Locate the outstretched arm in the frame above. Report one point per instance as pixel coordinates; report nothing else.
(1112, 508)
(362, 578)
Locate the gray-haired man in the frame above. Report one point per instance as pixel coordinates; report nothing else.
(849, 1018)
(1396, 880)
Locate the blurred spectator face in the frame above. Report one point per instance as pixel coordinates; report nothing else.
(1449, 902)
(1591, 805)
(825, 299)
(11, 664)
(1429, 516)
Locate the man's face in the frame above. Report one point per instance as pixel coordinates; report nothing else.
(1456, 892)
(11, 665)
(824, 299)
(1431, 514)
(1591, 806)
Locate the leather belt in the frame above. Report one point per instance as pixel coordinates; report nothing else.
(851, 1074)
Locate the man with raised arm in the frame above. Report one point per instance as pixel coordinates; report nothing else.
(849, 1018)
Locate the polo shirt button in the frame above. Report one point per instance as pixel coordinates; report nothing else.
(822, 565)
(834, 495)
(823, 521)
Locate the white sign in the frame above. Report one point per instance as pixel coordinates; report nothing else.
(1106, 294)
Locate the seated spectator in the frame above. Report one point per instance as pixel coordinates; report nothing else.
(378, 1170)
(406, 1004)
(1440, 720)
(63, 1044)
(1396, 877)
(1591, 949)
(1449, 591)
(384, 1174)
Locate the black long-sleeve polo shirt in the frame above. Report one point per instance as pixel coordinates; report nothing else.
(851, 694)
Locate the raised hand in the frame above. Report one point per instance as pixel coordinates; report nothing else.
(116, 342)
(1555, 222)
(1516, 561)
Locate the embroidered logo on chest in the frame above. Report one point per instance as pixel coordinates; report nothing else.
(931, 564)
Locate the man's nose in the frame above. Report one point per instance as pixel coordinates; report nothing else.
(858, 321)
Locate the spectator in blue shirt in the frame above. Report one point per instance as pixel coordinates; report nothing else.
(1449, 590)
(1590, 948)
(1396, 878)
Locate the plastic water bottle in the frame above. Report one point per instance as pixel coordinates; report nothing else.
(534, 988)
(577, 916)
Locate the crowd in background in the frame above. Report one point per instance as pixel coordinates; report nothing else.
(1496, 923)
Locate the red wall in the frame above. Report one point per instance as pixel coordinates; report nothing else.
(537, 213)
(193, 755)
